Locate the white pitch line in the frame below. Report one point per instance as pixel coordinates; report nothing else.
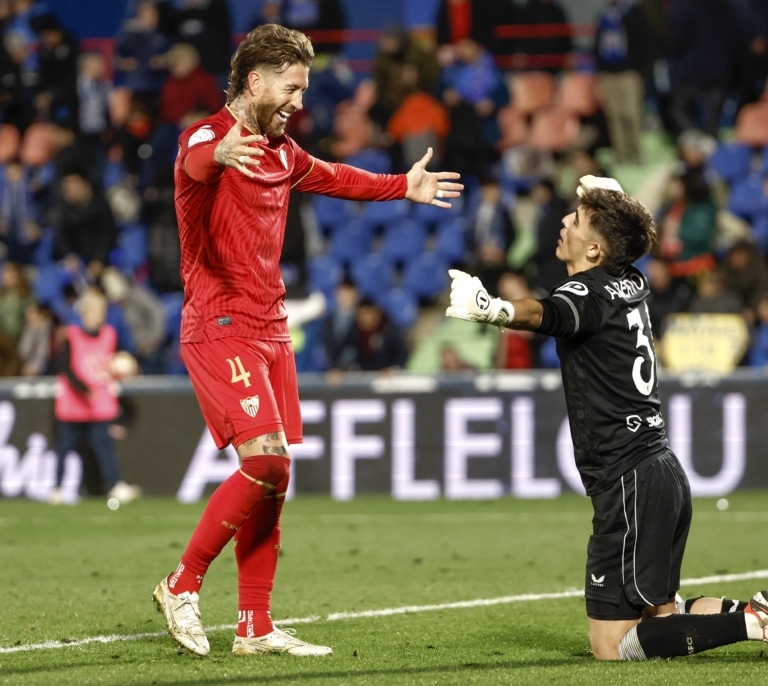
(367, 614)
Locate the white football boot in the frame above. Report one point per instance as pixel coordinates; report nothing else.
(278, 641)
(182, 616)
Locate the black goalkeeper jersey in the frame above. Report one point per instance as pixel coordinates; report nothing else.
(608, 366)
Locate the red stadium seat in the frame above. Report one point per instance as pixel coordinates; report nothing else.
(554, 129)
(579, 93)
(532, 91)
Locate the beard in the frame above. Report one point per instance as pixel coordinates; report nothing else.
(261, 117)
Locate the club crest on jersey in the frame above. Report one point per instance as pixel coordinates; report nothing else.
(283, 157)
(250, 405)
(202, 135)
(574, 287)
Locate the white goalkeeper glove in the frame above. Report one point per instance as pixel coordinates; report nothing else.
(605, 182)
(470, 301)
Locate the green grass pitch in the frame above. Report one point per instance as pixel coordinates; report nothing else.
(406, 593)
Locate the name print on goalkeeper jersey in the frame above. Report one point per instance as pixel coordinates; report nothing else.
(609, 373)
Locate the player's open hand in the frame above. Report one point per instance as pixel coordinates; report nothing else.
(432, 188)
(236, 150)
(470, 301)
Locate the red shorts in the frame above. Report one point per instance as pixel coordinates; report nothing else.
(245, 388)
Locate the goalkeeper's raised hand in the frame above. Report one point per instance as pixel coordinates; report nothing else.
(606, 183)
(470, 301)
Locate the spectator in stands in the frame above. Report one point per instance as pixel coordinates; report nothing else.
(84, 228)
(549, 42)
(689, 225)
(15, 296)
(714, 296)
(94, 91)
(19, 228)
(140, 48)
(752, 76)
(457, 20)
(705, 41)
(473, 89)
(622, 59)
(746, 274)
(56, 99)
(37, 340)
(373, 342)
(757, 355)
(144, 316)
(338, 321)
(159, 215)
(490, 231)
(86, 398)
(204, 24)
(667, 295)
(400, 67)
(514, 349)
(546, 270)
(17, 80)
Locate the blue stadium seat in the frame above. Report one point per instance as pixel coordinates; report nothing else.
(400, 306)
(450, 240)
(134, 247)
(731, 161)
(747, 198)
(425, 276)
(760, 231)
(381, 215)
(351, 241)
(374, 161)
(403, 240)
(325, 273)
(435, 216)
(332, 212)
(373, 275)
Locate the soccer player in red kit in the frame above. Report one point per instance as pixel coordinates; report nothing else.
(234, 173)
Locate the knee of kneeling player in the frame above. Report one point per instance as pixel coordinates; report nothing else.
(271, 470)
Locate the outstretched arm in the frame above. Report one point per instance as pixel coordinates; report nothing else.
(432, 188)
(470, 301)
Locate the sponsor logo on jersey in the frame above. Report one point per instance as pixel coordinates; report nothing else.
(634, 422)
(202, 135)
(625, 288)
(575, 287)
(655, 421)
(283, 157)
(597, 580)
(250, 405)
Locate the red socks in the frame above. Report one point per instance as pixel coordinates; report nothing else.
(247, 506)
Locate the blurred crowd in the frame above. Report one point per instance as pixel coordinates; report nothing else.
(510, 94)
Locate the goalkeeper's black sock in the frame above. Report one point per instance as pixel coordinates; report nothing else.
(680, 635)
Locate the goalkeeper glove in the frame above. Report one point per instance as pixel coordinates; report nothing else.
(606, 183)
(470, 301)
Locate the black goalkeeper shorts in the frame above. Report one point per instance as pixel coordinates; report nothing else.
(640, 528)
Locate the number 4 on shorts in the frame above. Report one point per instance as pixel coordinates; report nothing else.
(238, 371)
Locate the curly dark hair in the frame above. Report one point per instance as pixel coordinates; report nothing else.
(268, 46)
(625, 223)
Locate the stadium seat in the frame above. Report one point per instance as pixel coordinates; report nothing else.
(450, 240)
(324, 274)
(433, 216)
(747, 197)
(403, 240)
(425, 276)
(760, 231)
(553, 129)
(513, 127)
(751, 127)
(331, 212)
(532, 91)
(372, 160)
(400, 306)
(373, 275)
(350, 241)
(730, 161)
(380, 215)
(133, 242)
(578, 93)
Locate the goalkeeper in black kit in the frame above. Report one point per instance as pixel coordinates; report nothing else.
(639, 491)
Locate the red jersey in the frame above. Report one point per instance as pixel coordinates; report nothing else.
(231, 227)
